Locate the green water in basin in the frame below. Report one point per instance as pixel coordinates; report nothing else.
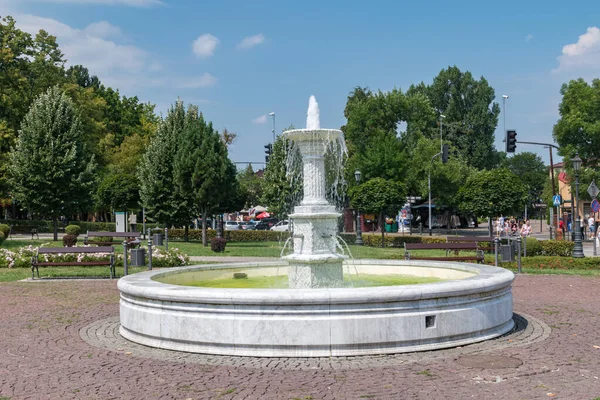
(281, 281)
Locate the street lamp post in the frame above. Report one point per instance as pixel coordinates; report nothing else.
(359, 240)
(273, 115)
(442, 116)
(578, 248)
(504, 97)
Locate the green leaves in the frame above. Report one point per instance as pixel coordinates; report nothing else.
(52, 173)
(378, 195)
(492, 193)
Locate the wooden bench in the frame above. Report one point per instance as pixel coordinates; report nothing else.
(131, 237)
(473, 239)
(36, 263)
(449, 247)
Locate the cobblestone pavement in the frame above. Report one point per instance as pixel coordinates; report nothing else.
(43, 355)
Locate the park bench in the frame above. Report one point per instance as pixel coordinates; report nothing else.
(474, 239)
(108, 250)
(449, 247)
(131, 237)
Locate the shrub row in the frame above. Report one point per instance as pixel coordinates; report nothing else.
(398, 241)
(25, 226)
(231, 236)
(551, 262)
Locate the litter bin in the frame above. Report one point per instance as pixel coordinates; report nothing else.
(395, 227)
(388, 227)
(507, 252)
(138, 257)
(157, 239)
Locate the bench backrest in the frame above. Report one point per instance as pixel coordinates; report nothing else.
(115, 234)
(479, 239)
(443, 246)
(75, 250)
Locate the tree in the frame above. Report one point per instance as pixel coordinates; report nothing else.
(492, 193)
(378, 196)
(51, 170)
(250, 186)
(204, 177)
(118, 191)
(158, 193)
(578, 129)
(471, 114)
(531, 170)
(282, 188)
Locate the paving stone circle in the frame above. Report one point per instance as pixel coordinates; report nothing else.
(104, 334)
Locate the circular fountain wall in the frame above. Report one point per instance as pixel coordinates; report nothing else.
(475, 304)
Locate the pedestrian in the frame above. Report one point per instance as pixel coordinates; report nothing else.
(591, 226)
(132, 221)
(526, 229)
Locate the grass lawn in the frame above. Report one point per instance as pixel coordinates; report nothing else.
(249, 249)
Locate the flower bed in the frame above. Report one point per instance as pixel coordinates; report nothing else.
(22, 257)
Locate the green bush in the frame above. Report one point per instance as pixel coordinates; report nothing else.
(74, 230)
(5, 229)
(534, 248)
(2, 238)
(557, 248)
(69, 240)
(231, 236)
(218, 245)
(374, 240)
(551, 263)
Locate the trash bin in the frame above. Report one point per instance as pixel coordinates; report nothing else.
(157, 239)
(507, 252)
(138, 257)
(395, 227)
(388, 227)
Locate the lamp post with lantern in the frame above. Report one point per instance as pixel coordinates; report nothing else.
(359, 241)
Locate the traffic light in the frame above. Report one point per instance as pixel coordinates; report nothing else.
(445, 153)
(511, 141)
(268, 151)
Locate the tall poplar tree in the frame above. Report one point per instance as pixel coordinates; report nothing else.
(204, 177)
(155, 172)
(52, 173)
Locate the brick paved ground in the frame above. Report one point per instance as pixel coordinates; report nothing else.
(42, 355)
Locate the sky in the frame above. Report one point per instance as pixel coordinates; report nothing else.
(239, 61)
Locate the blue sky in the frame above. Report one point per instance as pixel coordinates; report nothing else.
(241, 60)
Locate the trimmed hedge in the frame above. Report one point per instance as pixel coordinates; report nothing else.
(534, 247)
(556, 248)
(398, 241)
(69, 240)
(231, 236)
(218, 245)
(5, 229)
(2, 238)
(553, 262)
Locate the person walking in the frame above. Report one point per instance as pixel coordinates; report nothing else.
(526, 229)
(591, 227)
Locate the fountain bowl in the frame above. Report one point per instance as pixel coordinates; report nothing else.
(472, 305)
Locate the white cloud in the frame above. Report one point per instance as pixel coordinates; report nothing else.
(132, 3)
(205, 45)
(89, 46)
(529, 37)
(260, 120)
(583, 54)
(103, 29)
(202, 81)
(251, 41)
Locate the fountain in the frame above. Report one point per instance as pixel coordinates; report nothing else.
(316, 315)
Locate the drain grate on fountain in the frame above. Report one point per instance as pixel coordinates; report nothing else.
(488, 361)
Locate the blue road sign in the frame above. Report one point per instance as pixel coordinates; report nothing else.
(595, 205)
(556, 200)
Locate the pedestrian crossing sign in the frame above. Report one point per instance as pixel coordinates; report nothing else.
(556, 200)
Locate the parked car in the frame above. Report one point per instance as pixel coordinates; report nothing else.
(281, 226)
(266, 224)
(231, 226)
(247, 225)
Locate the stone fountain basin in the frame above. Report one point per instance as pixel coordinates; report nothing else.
(474, 305)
